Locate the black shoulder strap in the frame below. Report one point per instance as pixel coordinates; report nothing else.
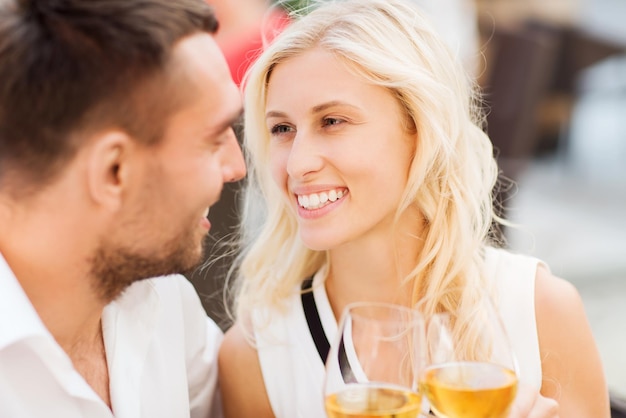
(313, 319)
(319, 336)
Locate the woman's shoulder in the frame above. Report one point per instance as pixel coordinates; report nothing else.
(270, 325)
(238, 344)
(555, 293)
(240, 376)
(571, 364)
(559, 308)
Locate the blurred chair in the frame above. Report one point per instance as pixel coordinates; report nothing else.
(577, 51)
(595, 146)
(618, 407)
(521, 62)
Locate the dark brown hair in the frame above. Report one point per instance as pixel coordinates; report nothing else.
(71, 66)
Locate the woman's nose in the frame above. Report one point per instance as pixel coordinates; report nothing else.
(304, 156)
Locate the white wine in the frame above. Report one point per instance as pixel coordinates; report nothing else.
(469, 389)
(367, 401)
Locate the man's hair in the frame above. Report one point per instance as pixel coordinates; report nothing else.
(68, 67)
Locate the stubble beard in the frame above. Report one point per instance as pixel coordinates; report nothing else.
(114, 268)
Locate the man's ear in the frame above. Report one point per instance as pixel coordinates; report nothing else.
(108, 167)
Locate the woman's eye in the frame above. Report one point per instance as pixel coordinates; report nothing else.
(331, 121)
(280, 129)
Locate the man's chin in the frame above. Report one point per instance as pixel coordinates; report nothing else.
(114, 273)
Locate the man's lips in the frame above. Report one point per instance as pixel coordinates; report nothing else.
(204, 221)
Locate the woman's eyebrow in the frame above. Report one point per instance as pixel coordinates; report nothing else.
(275, 114)
(332, 103)
(315, 109)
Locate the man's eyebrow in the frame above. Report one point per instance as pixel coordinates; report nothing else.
(230, 122)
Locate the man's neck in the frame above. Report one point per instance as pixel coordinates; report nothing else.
(62, 295)
(54, 274)
(72, 312)
(48, 240)
(89, 358)
(53, 271)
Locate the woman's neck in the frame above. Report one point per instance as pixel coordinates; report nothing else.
(374, 269)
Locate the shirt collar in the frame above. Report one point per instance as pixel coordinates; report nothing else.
(18, 317)
(128, 325)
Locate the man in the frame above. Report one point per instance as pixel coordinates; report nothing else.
(115, 139)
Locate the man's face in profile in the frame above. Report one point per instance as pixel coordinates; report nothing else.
(164, 221)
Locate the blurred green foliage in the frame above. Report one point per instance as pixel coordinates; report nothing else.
(292, 4)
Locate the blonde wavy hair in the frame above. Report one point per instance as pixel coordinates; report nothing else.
(389, 43)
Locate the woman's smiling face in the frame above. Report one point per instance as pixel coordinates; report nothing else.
(340, 149)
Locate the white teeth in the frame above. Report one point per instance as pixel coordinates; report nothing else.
(315, 200)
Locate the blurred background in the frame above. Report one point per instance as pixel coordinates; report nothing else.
(555, 82)
(553, 75)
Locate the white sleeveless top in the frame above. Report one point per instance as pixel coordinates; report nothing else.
(293, 370)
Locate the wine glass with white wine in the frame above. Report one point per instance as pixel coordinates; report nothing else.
(471, 370)
(373, 365)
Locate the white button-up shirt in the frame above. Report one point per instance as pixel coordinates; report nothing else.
(161, 350)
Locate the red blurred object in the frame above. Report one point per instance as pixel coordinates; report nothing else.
(241, 50)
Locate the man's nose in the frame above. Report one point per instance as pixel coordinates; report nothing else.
(234, 165)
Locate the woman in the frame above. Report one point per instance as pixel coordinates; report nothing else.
(366, 149)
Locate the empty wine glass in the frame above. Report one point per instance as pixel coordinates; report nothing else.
(373, 365)
(471, 370)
